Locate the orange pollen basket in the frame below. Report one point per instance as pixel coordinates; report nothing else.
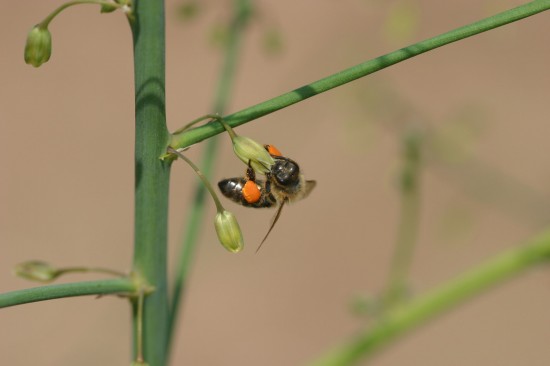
(273, 150)
(251, 193)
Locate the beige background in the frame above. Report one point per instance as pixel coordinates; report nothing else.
(66, 144)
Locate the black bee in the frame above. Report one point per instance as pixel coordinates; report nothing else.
(284, 183)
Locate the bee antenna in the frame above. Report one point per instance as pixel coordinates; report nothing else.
(273, 222)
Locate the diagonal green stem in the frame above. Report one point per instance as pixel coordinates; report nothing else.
(423, 308)
(246, 115)
(49, 292)
(196, 214)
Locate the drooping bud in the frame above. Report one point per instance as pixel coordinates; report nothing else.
(38, 48)
(229, 232)
(249, 151)
(36, 271)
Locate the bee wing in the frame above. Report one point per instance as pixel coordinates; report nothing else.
(273, 222)
(310, 184)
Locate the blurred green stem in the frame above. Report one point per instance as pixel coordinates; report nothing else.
(241, 15)
(421, 309)
(49, 292)
(409, 219)
(246, 115)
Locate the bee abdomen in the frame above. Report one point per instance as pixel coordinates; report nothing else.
(232, 188)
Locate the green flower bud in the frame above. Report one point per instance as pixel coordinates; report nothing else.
(249, 150)
(36, 271)
(38, 48)
(229, 232)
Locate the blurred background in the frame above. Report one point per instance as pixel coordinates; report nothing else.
(66, 186)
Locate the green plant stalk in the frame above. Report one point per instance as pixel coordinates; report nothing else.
(101, 287)
(404, 248)
(152, 176)
(248, 114)
(423, 308)
(196, 214)
(409, 219)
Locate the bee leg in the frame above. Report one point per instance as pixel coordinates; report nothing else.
(268, 185)
(250, 174)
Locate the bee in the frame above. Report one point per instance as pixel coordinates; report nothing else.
(283, 184)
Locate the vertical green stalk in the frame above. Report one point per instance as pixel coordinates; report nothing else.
(196, 216)
(408, 225)
(152, 175)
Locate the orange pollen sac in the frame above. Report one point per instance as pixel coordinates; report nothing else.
(273, 150)
(251, 192)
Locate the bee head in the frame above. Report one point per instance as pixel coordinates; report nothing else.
(285, 172)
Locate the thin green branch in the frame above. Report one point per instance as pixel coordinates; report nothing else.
(423, 308)
(205, 181)
(112, 272)
(246, 115)
(62, 7)
(241, 15)
(50, 292)
(139, 327)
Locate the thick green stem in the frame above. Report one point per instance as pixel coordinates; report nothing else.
(49, 292)
(246, 115)
(152, 175)
(451, 294)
